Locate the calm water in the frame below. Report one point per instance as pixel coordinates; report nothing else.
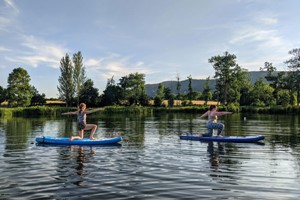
(152, 163)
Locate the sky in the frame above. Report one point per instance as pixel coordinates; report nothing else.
(161, 38)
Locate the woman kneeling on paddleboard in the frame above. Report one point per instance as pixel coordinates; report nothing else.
(82, 125)
(212, 123)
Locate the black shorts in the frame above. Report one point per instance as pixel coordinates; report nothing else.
(81, 126)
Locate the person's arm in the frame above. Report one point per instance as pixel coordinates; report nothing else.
(204, 115)
(70, 113)
(92, 111)
(223, 113)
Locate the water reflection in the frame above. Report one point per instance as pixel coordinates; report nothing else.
(73, 162)
(153, 162)
(214, 154)
(18, 131)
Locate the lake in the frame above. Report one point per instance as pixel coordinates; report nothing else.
(151, 162)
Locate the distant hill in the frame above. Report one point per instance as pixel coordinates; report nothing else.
(197, 84)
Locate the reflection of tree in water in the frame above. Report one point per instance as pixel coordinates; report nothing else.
(214, 154)
(81, 159)
(17, 131)
(222, 163)
(220, 153)
(71, 167)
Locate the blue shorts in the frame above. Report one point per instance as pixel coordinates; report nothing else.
(211, 126)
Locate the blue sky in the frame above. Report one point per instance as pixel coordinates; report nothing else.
(160, 38)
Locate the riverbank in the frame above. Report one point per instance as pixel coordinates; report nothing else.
(55, 111)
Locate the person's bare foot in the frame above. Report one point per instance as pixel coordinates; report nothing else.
(71, 138)
(92, 138)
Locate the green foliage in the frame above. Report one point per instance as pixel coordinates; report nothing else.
(37, 99)
(32, 111)
(232, 107)
(89, 94)
(127, 109)
(190, 88)
(79, 76)
(283, 97)
(178, 86)
(262, 94)
(158, 99)
(271, 109)
(133, 88)
(19, 91)
(66, 86)
(230, 78)
(2, 94)
(294, 76)
(112, 94)
(207, 93)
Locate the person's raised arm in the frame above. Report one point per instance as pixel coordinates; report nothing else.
(70, 113)
(223, 113)
(92, 111)
(204, 115)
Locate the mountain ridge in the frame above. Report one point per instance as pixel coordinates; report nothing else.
(197, 84)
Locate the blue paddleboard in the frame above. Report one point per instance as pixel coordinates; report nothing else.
(236, 139)
(84, 141)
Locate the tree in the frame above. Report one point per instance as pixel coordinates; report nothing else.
(277, 80)
(262, 94)
(2, 94)
(207, 93)
(158, 99)
(178, 86)
(112, 94)
(37, 98)
(230, 77)
(19, 91)
(66, 86)
(79, 74)
(190, 89)
(169, 96)
(89, 94)
(294, 65)
(133, 88)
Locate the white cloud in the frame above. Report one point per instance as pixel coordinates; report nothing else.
(115, 65)
(11, 4)
(268, 20)
(39, 52)
(4, 49)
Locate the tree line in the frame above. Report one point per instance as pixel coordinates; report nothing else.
(233, 86)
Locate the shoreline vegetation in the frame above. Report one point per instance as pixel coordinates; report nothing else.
(56, 110)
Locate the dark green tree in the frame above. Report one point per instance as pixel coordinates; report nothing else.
(276, 79)
(133, 88)
(158, 99)
(79, 75)
(294, 66)
(169, 96)
(207, 93)
(2, 94)
(37, 98)
(230, 78)
(262, 94)
(190, 89)
(178, 86)
(19, 91)
(112, 95)
(66, 87)
(89, 94)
